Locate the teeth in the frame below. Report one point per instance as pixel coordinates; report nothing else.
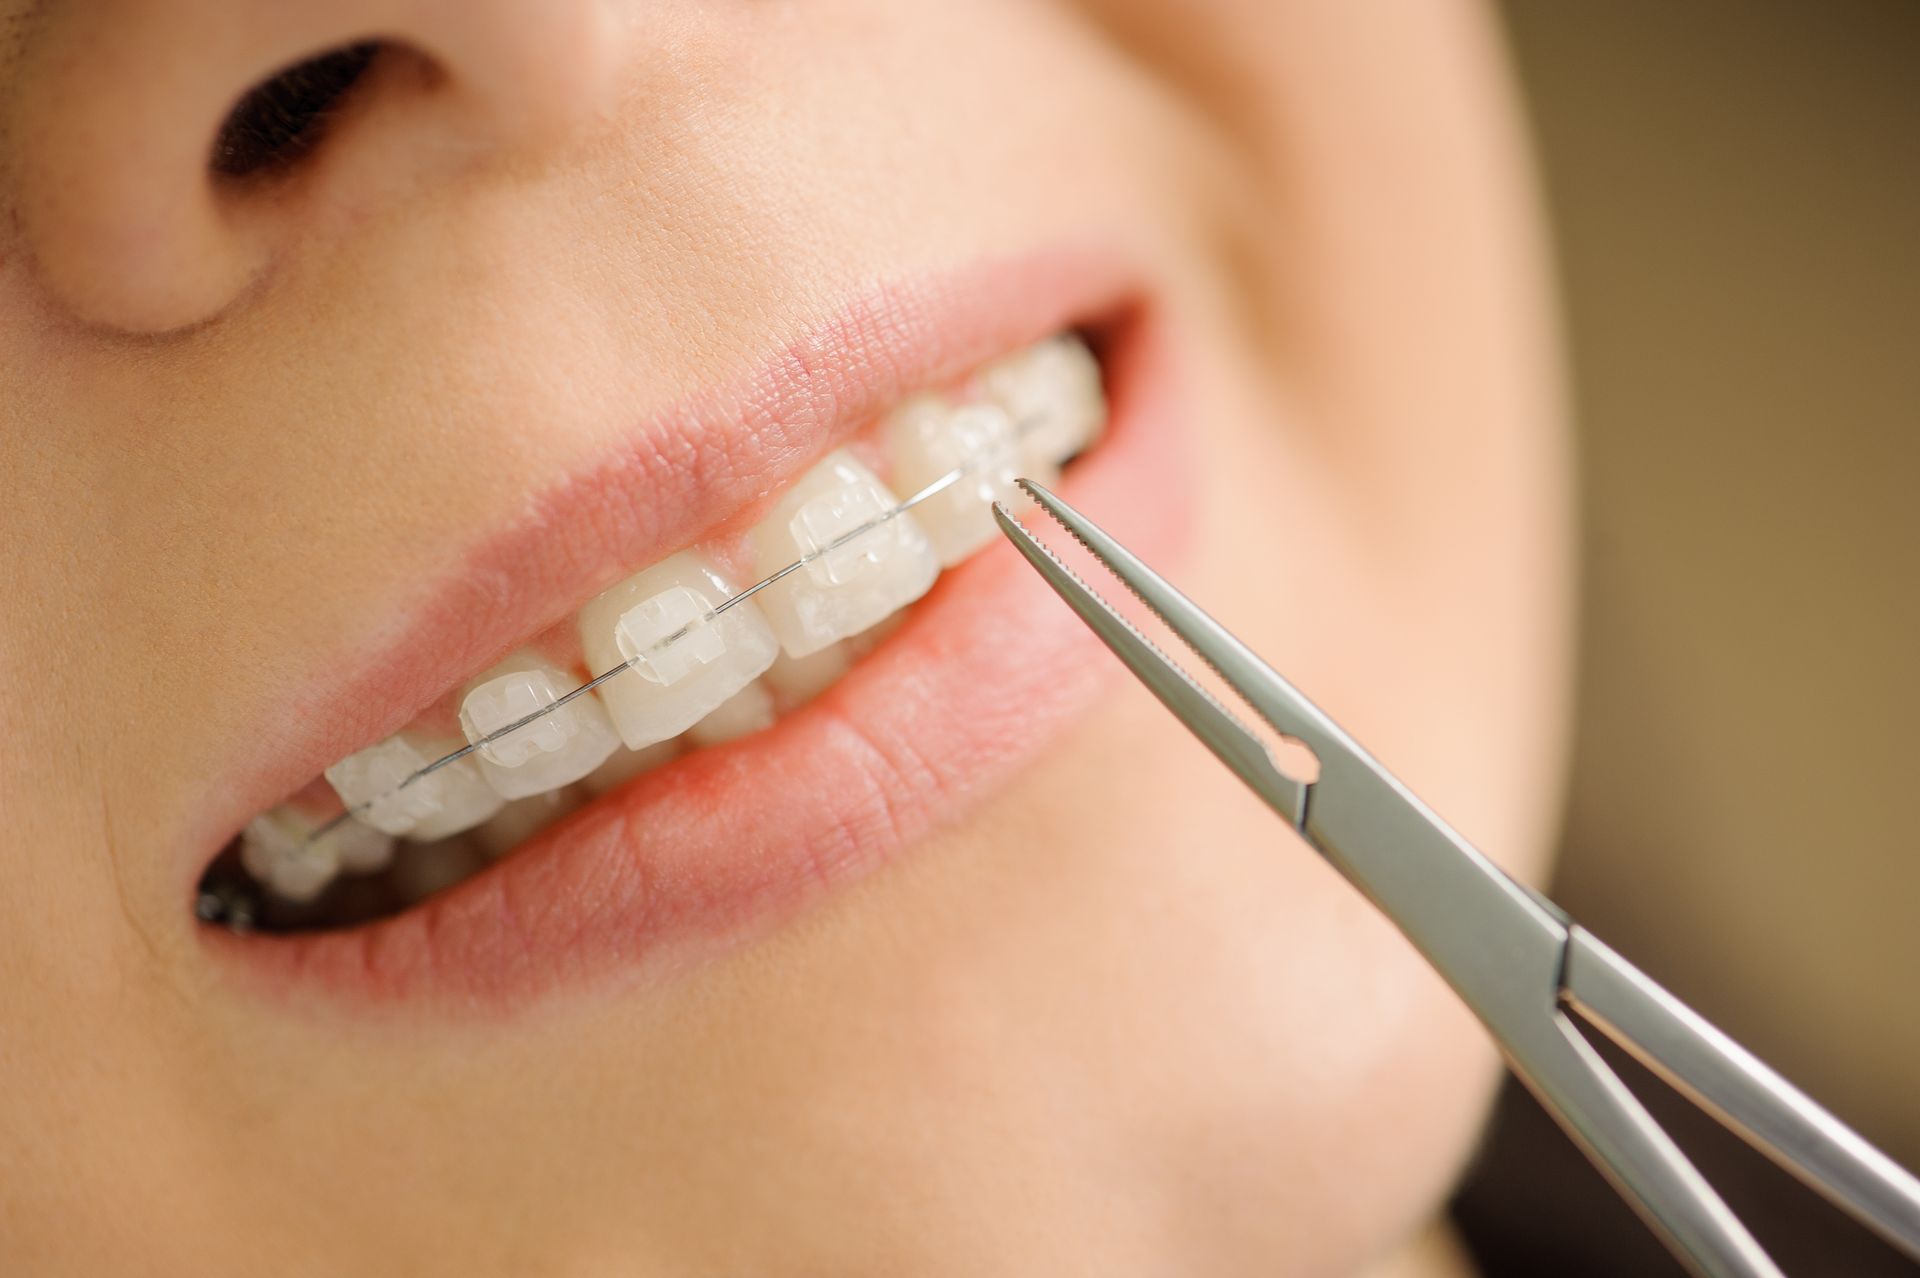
(445, 801)
(799, 680)
(524, 818)
(694, 679)
(875, 635)
(671, 688)
(931, 437)
(850, 586)
(623, 766)
(465, 797)
(1052, 392)
(369, 779)
(555, 749)
(422, 869)
(746, 712)
(277, 848)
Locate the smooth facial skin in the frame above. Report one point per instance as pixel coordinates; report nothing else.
(1111, 1020)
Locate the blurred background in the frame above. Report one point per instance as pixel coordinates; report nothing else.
(1735, 193)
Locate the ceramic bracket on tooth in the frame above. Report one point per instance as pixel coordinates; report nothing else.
(1042, 439)
(843, 533)
(296, 856)
(691, 654)
(495, 706)
(666, 637)
(535, 726)
(1054, 390)
(932, 437)
(865, 557)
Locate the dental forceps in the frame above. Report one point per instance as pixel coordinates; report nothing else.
(1515, 958)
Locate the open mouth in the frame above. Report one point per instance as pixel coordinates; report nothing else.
(711, 645)
(825, 666)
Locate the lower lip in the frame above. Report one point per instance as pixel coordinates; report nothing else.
(985, 673)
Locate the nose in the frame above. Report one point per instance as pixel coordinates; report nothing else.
(156, 140)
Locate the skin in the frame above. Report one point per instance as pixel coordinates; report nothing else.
(1112, 1023)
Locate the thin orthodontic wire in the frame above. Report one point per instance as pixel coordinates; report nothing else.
(933, 489)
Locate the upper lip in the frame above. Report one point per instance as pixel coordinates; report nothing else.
(911, 736)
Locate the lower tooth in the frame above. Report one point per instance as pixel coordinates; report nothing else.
(623, 766)
(931, 437)
(799, 680)
(524, 818)
(748, 711)
(1052, 390)
(421, 869)
(673, 682)
(278, 848)
(558, 748)
(846, 587)
(875, 635)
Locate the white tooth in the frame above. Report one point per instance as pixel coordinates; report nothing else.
(674, 685)
(464, 796)
(554, 750)
(421, 869)
(360, 848)
(929, 437)
(623, 766)
(444, 801)
(875, 635)
(746, 712)
(301, 879)
(524, 818)
(852, 586)
(278, 849)
(1052, 392)
(799, 680)
(372, 777)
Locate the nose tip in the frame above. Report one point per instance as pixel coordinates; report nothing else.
(118, 104)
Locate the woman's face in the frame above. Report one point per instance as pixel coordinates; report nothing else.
(972, 962)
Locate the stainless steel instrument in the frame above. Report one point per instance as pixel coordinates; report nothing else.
(1513, 956)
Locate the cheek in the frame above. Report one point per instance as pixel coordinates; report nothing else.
(1152, 994)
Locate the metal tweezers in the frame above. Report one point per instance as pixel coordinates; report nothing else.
(1513, 956)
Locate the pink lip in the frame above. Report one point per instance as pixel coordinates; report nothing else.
(984, 673)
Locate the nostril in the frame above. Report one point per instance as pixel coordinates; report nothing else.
(285, 116)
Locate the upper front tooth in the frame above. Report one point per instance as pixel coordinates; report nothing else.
(371, 780)
(931, 437)
(849, 584)
(463, 794)
(1052, 391)
(381, 783)
(559, 747)
(685, 662)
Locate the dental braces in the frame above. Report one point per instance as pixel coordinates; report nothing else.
(1021, 428)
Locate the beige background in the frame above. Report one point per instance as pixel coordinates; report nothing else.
(1736, 194)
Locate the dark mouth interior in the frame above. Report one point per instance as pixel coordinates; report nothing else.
(228, 896)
